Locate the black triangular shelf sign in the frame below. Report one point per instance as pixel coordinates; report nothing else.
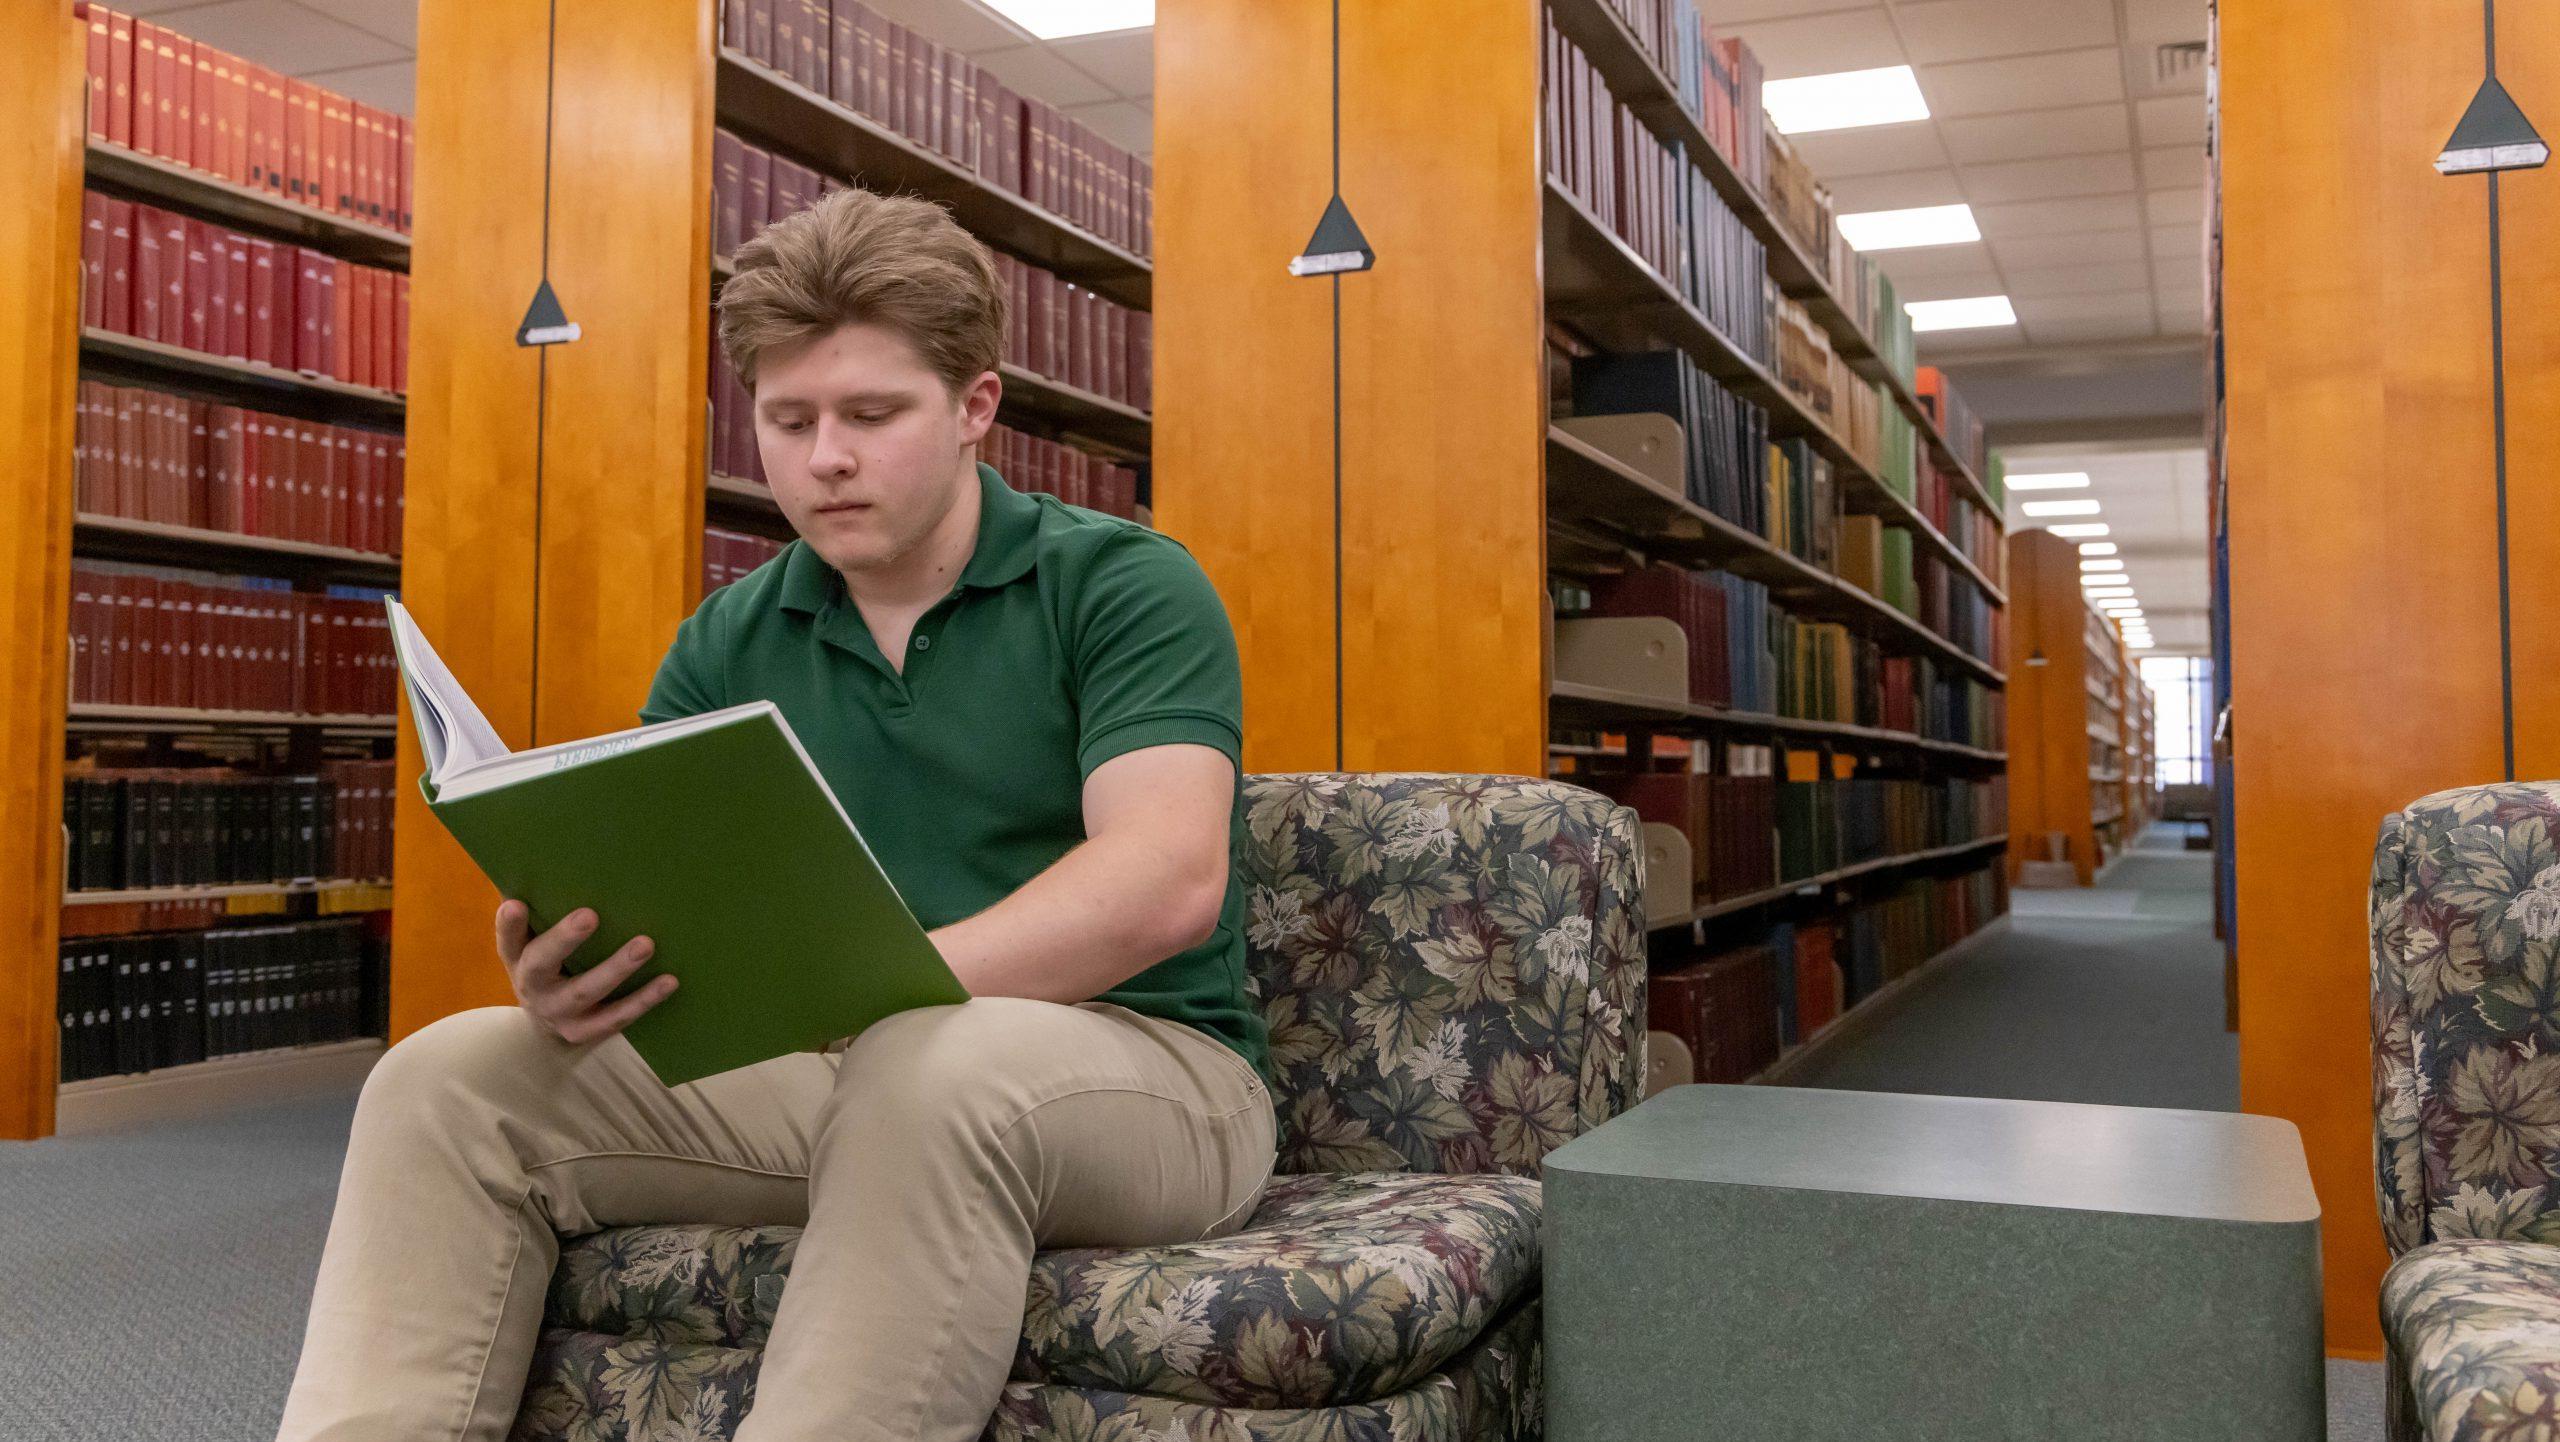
(544, 322)
(2493, 135)
(1337, 246)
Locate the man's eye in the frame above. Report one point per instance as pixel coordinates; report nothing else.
(876, 418)
(793, 427)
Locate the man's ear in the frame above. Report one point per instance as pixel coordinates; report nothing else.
(978, 406)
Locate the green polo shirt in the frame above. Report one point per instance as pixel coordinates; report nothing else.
(1072, 637)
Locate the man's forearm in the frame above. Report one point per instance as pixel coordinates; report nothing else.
(1101, 914)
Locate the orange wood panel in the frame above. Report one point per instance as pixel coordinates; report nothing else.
(2363, 583)
(1244, 431)
(1442, 428)
(2529, 206)
(588, 584)
(2049, 753)
(43, 99)
(1444, 411)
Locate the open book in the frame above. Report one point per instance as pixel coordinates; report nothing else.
(714, 836)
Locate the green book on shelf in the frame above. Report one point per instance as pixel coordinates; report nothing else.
(714, 836)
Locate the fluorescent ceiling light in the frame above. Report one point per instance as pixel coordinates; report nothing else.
(2138, 643)
(2127, 609)
(2082, 507)
(1843, 100)
(1057, 19)
(2104, 578)
(2079, 528)
(1970, 313)
(2097, 548)
(2055, 481)
(1909, 229)
(2107, 564)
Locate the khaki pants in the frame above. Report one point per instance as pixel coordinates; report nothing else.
(927, 1160)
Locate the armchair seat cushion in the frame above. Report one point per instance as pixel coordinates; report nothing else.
(1342, 1289)
(2474, 1328)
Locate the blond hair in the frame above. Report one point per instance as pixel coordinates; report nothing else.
(860, 258)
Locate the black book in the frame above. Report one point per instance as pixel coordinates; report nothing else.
(187, 1023)
(101, 805)
(218, 947)
(66, 1007)
(225, 858)
(164, 832)
(127, 1036)
(73, 790)
(280, 831)
(324, 835)
(306, 828)
(134, 832)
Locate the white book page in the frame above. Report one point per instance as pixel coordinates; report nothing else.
(451, 730)
(508, 769)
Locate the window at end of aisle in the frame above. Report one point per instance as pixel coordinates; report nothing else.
(2183, 688)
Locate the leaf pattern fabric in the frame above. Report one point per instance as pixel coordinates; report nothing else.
(1452, 969)
(2464, 913)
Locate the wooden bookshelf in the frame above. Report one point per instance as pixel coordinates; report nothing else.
(96, 716)
(1812, 886)
(120, 538)
(2070, 736)
(774, 112)
(132, 175)
(1599, 706)
(112, 355)
(149, 894)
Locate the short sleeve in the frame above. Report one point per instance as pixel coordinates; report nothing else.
(692, 676)
(1155, 657)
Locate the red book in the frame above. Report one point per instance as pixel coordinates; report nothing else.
(101, 41)
(399, 495)
(143, 130)
(301, 128)
(363, 201)
(760, 31)
(349, 449)
(934, 75)
(331, 162)
(1115, 354)
(728, 203)
(386, 329)
(208, 74)
(733, 24)
(310, 309)
(115, 287)
(756, 196)
(400, 333)
(260, 290)
(176, 79)
(222, 468)
(199, 460)
(93, 258)
(235, 113)
(339, 293)
(408, 173)
(147, 265)
(355, 285)
(361, 484)
(332, 525)
(270, 502)
(989, 140)
(119, 75)
(845, 55)
(784, 50)
(197, 282)
(173, 276)
(267, 138)
(235, 284)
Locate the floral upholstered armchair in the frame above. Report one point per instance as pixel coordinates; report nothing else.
(2466, 1103)
(1453, 972)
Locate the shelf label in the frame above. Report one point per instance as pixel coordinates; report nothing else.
(1337, 246)
(544, 322)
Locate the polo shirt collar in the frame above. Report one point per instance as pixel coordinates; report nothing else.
(1008, 543)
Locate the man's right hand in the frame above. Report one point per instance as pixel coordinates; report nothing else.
(575, 1008)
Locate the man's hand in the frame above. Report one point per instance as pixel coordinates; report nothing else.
(573, 1007)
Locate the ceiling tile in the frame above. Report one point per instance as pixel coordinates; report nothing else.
(393, 87)
(2079, 279)
(1945, 30)
(2032, 134)
(1871, 149)
(1120, 122)
(2175, 207)
(283, 35)
(2173, 167)
(2171, 120)
(393, 20)
(1986, 87)
(1954, 285)
(2044, 252)
(1820, 44)
(1037, 71)
(955, 23)
(1904, 190)
(2178, 272)
(2182, 312)
(1726, 15)
(1124, 60)
(2049, 179)
(1935, 260)
(2115, 305)
(2178, 242)
(154, 9)
(2058, 217)
(1956, 342)
(2152, 21)
(2065, 332)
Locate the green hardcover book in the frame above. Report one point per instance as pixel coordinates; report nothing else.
(712, 835)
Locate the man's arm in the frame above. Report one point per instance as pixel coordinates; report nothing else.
(1147, 883)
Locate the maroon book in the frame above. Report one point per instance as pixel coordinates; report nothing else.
(258, 338)
(235, 289)
(147, 267)
(310, 310)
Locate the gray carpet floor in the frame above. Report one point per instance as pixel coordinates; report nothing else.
(2110, 995)
(153, 1283)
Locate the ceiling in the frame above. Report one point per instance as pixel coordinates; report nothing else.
(2083, 165)
(368, 49)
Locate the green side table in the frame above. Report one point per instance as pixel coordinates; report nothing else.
(1769, 1263)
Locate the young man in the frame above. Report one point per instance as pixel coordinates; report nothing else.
(1034, 714)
